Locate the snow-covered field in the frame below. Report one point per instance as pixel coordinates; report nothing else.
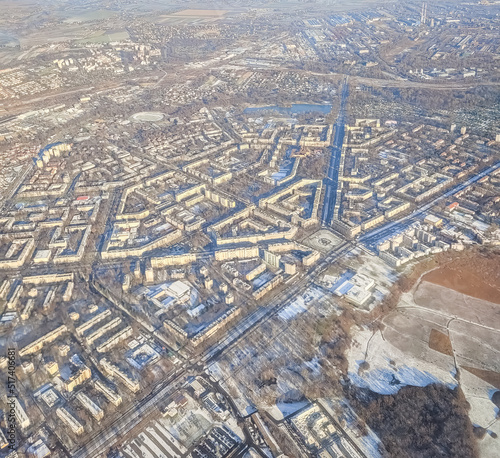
(301, 303)
(390, 368)
(400, 353)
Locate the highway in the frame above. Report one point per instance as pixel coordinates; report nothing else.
(397, 82)
(332, 177)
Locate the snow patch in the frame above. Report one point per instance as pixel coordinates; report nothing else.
(389, 369)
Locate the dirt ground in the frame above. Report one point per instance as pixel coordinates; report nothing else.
(493, 378)
(475, 275)
(440, 342)
(447, 319)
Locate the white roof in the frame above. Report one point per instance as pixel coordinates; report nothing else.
(43, 254)
(432, 218)
(178, 289)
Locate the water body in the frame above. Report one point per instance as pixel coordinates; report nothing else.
(294, 109)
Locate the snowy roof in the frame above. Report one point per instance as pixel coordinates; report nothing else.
(179, 289)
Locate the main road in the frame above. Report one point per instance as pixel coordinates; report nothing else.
(138, 411)
(141, 409)
(373, 238)
(332, 177)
